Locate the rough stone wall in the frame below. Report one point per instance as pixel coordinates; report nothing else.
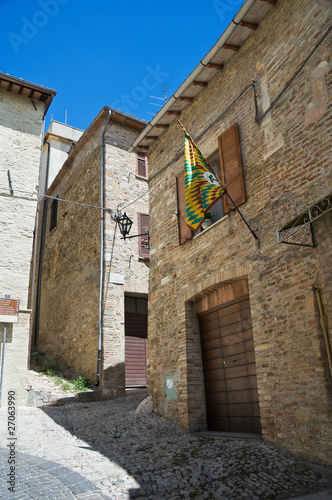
(322, 229)
(122, 187)
(71, 267)
(21, 127)
(69, 326)
(287, 168)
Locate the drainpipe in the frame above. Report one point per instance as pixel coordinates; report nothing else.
(34, 251)
(41, 252)
(323, 322)
(102, 225)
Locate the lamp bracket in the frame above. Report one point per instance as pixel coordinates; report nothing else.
(134, 236)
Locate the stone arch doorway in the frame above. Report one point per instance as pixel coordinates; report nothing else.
(228, 359)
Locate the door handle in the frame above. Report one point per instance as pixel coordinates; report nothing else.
(231, 361)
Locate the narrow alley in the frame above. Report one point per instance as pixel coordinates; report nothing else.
(104, 450)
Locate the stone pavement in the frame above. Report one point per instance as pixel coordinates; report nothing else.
(103, 450)
(40, 479)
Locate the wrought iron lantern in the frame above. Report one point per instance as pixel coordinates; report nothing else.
(124, 224)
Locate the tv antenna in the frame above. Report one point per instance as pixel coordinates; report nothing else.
(164, 99)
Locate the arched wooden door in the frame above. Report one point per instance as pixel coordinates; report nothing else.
(229, 368)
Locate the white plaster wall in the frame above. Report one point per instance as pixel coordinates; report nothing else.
(60, 138)
(21, 129)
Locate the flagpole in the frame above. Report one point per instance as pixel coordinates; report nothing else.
(244, 220)
(207, 163)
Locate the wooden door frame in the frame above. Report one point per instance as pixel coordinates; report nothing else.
(215, 298)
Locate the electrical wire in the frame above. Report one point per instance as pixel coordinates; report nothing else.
(67, 201)
(258, 119)
(46, 196)
(146, 192)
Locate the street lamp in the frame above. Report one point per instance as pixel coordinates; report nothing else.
(124, 224)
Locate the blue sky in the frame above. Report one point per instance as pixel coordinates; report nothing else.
(97, 53)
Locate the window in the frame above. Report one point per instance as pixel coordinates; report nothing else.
(143, 241)
(136, 320)
(142, 165)
(137, 305)
(54, 214)
(216, 212)
(227, 165)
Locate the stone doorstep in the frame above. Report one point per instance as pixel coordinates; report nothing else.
(45, 398)
(79, 397)
(230, 435)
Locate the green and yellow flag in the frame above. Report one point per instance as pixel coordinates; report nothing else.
(202, 188)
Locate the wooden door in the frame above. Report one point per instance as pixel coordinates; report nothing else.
(135, 361)
(136, 328)
(229, 368)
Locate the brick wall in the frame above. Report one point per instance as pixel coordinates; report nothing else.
(286, 168)
(71, 267)
(21, 127)
(69, 318)
(322, 229)
(122, 185)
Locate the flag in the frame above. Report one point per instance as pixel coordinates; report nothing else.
(202, 188)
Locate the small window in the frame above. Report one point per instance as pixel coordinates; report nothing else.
(54, 214)
(142, 306)
(136, 305)
(143, 240)
(216, 212)
(142, 165)
(227, 165)
(130, 305)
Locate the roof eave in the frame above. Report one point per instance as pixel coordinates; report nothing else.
(19, 86)
(238, 20)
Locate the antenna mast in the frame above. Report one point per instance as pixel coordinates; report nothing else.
(164, 99)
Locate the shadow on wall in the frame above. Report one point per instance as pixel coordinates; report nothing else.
(9, 333)
(112, 382)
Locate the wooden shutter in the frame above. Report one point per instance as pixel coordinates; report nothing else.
(185, 232)
(143, 241)
(135, 362)
(54, 214)
(142, 164)
(231, 167)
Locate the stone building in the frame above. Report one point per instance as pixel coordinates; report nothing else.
(92, 312)
(59, 139)
(235, 336)
(23, 106)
